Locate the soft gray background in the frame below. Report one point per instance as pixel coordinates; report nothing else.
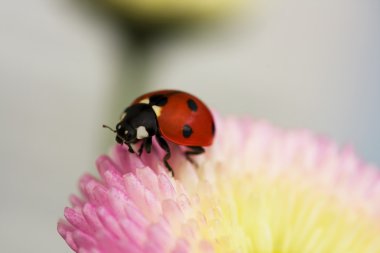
(302, 64)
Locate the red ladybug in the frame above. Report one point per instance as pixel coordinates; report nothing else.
(169, 115)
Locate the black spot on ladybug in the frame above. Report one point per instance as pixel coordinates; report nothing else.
(213, 128)
(159, 100)
(187, 131)
(192, 105)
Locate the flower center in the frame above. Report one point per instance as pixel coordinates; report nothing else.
(257, 213)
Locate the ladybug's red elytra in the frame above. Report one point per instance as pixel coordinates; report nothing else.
(167, 115)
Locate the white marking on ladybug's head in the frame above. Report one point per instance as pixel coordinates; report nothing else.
(145, 101)
(157, 110)
(123, 116)
(126, 132)
(141, 133)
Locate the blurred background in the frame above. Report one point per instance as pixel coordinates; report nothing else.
(65, 70)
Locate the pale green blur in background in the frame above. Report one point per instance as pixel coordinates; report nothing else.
(299, 64)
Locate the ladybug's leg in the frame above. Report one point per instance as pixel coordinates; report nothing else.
(147, 144)
(141, 148)
(193, 150)
(164, 145)
(130, 149)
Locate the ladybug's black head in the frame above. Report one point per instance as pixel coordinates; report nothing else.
(125, 133)
(138, 122)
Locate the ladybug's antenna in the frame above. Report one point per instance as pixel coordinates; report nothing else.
(121, 137)
(105, 126)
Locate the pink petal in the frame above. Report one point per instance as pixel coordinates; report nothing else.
(76, 219)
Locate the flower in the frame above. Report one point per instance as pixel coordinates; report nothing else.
(152, 11)
(257, 189)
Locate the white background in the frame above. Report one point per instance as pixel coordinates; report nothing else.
(300, 64)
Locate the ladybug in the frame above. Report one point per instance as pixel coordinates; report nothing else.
(167, 115)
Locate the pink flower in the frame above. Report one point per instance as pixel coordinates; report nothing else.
(257, 189)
